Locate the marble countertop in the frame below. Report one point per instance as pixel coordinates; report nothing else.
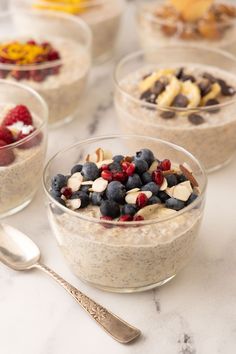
(194, 314)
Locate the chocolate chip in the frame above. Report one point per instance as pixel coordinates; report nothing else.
(196, 119)
(212, 102)
(180, 101)
(146, 76)
(209, 77)
(158, 88)
(205, 87)
(186, 77)
(225, 89)
(168, 115)
(179, 73)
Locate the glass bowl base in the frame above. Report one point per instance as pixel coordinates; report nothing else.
(16, 209)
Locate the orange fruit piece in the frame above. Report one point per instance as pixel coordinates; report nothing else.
(192, 10)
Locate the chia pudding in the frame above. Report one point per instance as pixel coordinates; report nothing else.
(22, 153)
(189, 104)
(116, 230)
(208, 23)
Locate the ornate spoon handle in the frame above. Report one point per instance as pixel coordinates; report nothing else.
(113, 325)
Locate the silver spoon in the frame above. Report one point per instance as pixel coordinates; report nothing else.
(19, 252)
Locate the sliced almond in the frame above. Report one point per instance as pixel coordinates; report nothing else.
(181, 191)
(132, 197)
(100, 154)
(164, 185)
(74, 182)
(153, 166)
(73, 204)
(188, 174)
(99, 185)
(104, 162)
(91, 158)
(133, 190)
(149, 212)
(170, 172)
(87, 183)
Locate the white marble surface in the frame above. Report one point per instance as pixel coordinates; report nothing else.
(193, 314)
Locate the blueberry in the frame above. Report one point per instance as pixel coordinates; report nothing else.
(145, 154)
(116, 192)
(175, 204)
(129, 209)
(133, 182)
(146, 177)
(96, 198)
(154, 200)
(181, 178)
(191, 198)
(118, 158)
(110, 208)
(55, 194)
(76, 168)
(61, 201)
(163, 196)
(141, 166)
(152, 187)
(83, 197)
(171, 180)
(115, 166)
(90, 171)
(58, 182)
(85, 188)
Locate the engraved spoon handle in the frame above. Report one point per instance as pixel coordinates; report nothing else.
(113, 325)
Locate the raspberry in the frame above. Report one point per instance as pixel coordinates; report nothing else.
(138, 218)
(53, 55)
(107, 175)
(126, 218)
(157, 177)
(165, 165)
(6, 155)
(141, 200)
(6, 135)
(130, 170)
(16, 114)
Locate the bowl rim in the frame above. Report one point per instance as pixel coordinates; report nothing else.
(100, 138)
(184, 47)
(44, 119)
(33, 12)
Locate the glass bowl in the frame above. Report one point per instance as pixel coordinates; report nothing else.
(20, 175)
(213, 142)
(124, 256)
(102, 16)
(154, 30)
(60, 82)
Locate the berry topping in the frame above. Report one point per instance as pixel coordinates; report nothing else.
(120, 176)
(110, 208)
(158, 177)
(141, 166)
(67, 192)
(90, 171)
(76, 168)
(130, 209)
(175, 204)
(116, 192)
(146, 155)
(126, 217)
(6, 155)
(107, 175)
(83, 197)
(138, 218)
(96, 198)
(118, 158)
(58, 182)
(134, 182)
(130, 170)
(142, 200)
(152, 187)
(6, 135)
(165, 165)
(146, 177)
(19, 113)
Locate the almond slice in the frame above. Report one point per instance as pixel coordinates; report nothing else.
(73, 204)
(74, 182)
(181, 191)
(188, 174)
(91, 158)
(133, 190)
(153, 166)
(87, 183)
(164, 185)
(100, 154)
(149, 212)
(104, 162)
(99, 185)
(132, 197)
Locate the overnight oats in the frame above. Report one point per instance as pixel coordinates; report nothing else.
(125, 220)
(167, 93)
(23, 138)
(205, 22)
(102, 16)
(48, 61)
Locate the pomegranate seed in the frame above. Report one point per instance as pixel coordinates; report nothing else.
(105, 167)
(125, 165)
(119, 176)
(108, 218)
(165, 165)
(67, 192)
(126, 217)
(141, 200)
(157, 177)
(130, 170)
(138, 218)
(107, 175)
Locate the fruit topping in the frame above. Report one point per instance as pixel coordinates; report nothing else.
(19, 113)
(6, 135)
(72, 7)
(6, 155)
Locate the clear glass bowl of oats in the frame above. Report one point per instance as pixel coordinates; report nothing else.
(182, 94)
(102, 16)
(187, 22)
(112, 253)
(23, 141)
(50, 52)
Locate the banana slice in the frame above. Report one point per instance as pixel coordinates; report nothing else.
(150, 80)
(72, 7)
(215, 92)
(192, 92)
(172, 90)
(191, 10)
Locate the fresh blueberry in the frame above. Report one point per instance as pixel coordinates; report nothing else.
(90, 171)
(116, 191)
(58, 182)
(61, 201)
(175, 204)
(129, 209)
(110, 208)
(145, 154)
(115, 166)
(152, 187)
(83, 197)
(154, 200)
(181, 178)
(141, 166)
(146, 177)
(85, 188)
(191, 199)
(118, 158)
(133, 182)
(96, 198)
(163, 196)
(76, 168)
(55, 193)
(171, 180)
